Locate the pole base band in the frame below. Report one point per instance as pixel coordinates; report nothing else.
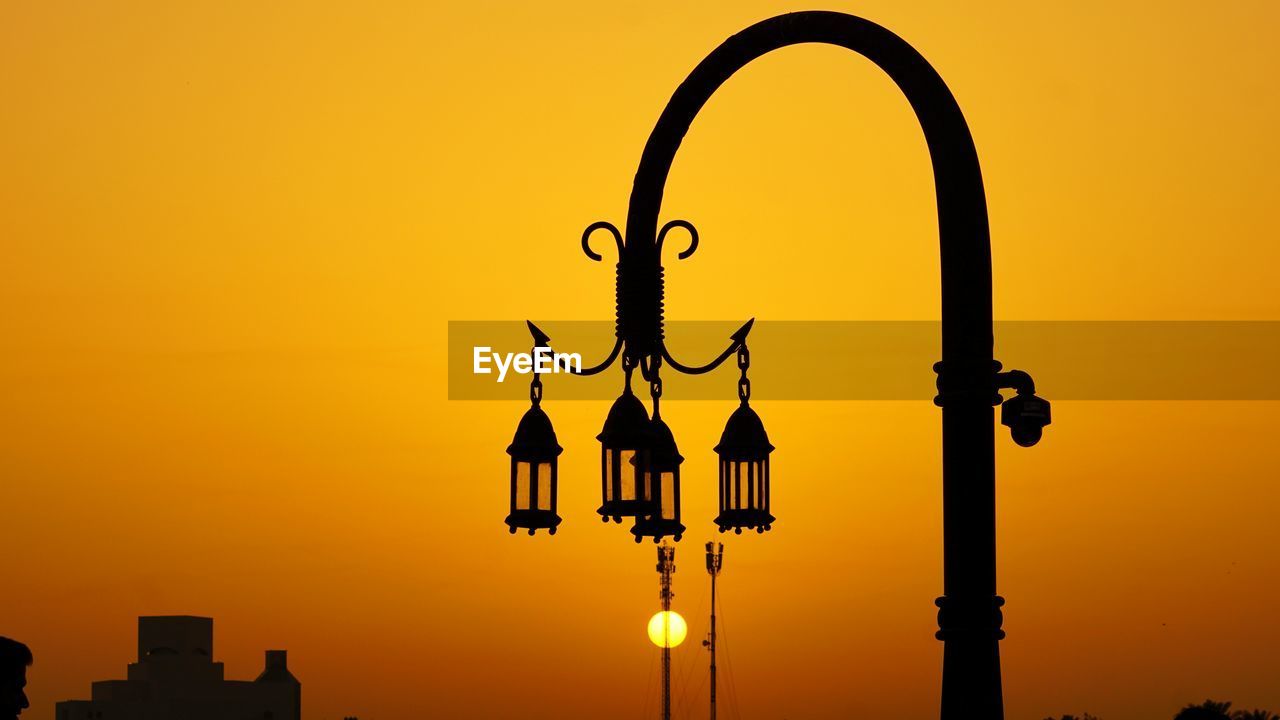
(969, 616)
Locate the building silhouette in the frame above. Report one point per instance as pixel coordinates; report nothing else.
(176, 678)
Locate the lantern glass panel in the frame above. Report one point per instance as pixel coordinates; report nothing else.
(724, 484)
(524, 472)
(667, 488)
(731, 481)
(638, 464)
(731, 486)
(741, 484)
(611, 470)
(763, 474)
(753, 491)
(627, 469)
(543, 483)
(622, 471)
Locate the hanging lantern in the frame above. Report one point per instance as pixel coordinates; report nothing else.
(534, 452)
(744, 472)
(664, 487)
(624, 451)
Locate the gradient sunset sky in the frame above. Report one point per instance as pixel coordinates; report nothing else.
(232, 235)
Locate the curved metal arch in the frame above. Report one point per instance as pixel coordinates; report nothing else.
(962, 207)
(969, 612)
(737, 340)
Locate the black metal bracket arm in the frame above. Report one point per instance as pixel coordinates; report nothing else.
(739, 338)
(955, 383)
(1017, 380)
(1025, 414)
(540, 339)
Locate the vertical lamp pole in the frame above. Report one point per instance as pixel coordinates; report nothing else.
(642, 481)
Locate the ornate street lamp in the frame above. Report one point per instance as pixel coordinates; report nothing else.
(744, 464)
(534, 474)
(625, 444)
(662, 472)
(969, 380)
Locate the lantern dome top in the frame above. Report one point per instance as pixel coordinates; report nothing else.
(535, 439)
(664, 456)
(744, 437)
(627, 425)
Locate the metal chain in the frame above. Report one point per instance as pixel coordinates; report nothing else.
(535, 386)
(627, 367)
(744, 383)
(655, 383)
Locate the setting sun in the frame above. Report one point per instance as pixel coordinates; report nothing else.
(667, 629)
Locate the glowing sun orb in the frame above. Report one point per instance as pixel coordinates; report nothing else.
(667, 629)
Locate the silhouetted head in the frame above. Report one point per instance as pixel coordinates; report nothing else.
(14, 659)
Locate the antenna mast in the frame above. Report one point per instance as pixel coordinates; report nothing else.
(715, 557)
(666, 567)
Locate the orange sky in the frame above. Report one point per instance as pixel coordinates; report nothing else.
(232, 234)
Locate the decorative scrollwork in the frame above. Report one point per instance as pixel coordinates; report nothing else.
(688, 226)
(602, 225)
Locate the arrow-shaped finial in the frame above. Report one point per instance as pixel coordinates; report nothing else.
(540, 339)
(741, 335)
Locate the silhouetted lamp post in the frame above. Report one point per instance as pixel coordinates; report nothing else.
(638, 452)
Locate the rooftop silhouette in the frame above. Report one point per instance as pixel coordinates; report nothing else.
(176, 678)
